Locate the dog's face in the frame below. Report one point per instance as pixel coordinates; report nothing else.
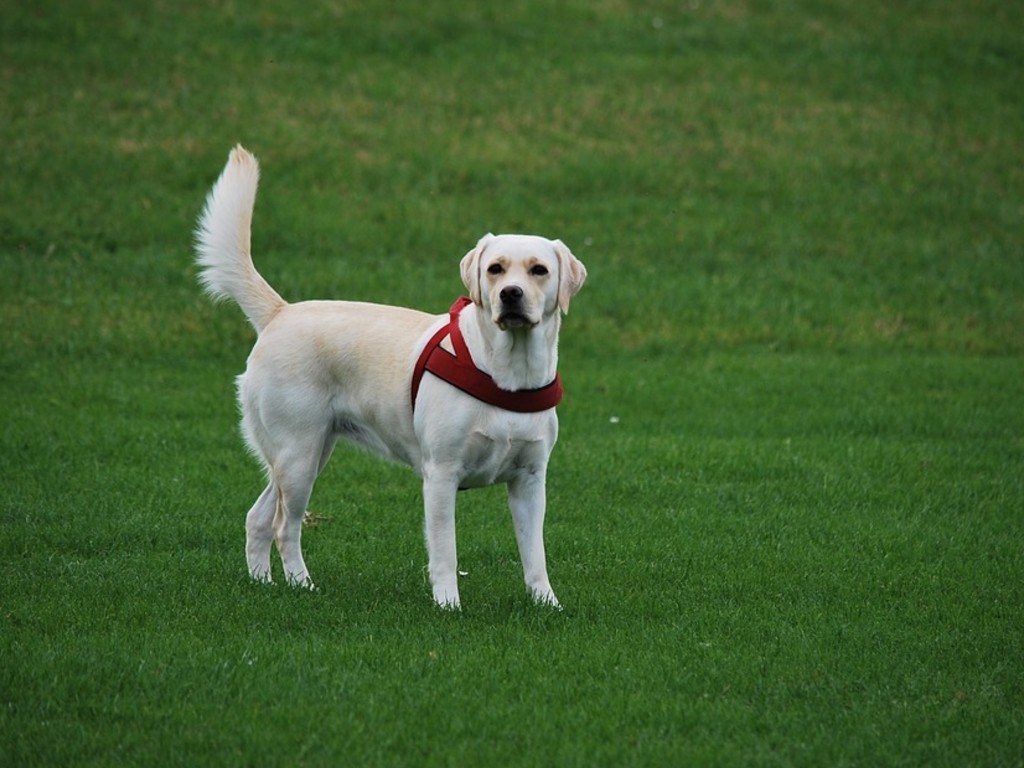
(521, 280)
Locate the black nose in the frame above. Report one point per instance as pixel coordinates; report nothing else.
(511, 294)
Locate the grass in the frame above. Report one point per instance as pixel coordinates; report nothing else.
(785, 509)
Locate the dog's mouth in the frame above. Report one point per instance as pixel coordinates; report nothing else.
(509, 320)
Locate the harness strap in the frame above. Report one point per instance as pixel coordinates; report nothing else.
(459, 370)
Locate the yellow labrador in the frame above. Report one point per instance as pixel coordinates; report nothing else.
(322, 370)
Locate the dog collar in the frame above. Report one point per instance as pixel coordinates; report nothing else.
(459, 370)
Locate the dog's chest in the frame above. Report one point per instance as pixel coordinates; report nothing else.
(497, 455)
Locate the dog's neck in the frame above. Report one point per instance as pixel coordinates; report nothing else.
(520, 358)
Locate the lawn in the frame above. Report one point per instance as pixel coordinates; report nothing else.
(786, 511)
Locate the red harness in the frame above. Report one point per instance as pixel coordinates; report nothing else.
(459, 371)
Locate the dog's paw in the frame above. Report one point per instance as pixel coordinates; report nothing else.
(447, 601)
(261, 576)
(546, 598)
(301, 581)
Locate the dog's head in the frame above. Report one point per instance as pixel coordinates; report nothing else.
(521, 279)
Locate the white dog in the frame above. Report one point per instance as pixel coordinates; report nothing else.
(466, 399)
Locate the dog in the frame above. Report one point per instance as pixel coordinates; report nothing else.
(466, 399)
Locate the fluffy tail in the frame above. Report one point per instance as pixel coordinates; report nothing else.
(222, 242)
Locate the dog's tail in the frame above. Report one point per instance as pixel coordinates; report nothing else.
(222, 242)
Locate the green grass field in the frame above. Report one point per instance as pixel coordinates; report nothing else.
(786, 513)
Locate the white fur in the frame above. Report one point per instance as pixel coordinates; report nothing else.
(322, 370)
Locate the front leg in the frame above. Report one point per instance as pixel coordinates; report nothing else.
(526, 500)
(439, 491)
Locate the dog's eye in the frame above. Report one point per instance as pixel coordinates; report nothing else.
(495, 269)
(538, 269)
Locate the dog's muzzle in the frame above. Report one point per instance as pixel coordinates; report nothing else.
(512, 314)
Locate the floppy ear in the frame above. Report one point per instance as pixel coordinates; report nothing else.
(470, 268)
(571, 274)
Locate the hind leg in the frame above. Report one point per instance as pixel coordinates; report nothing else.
(294, 477)
(294, 451)
(259, 533)
(295, 485)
